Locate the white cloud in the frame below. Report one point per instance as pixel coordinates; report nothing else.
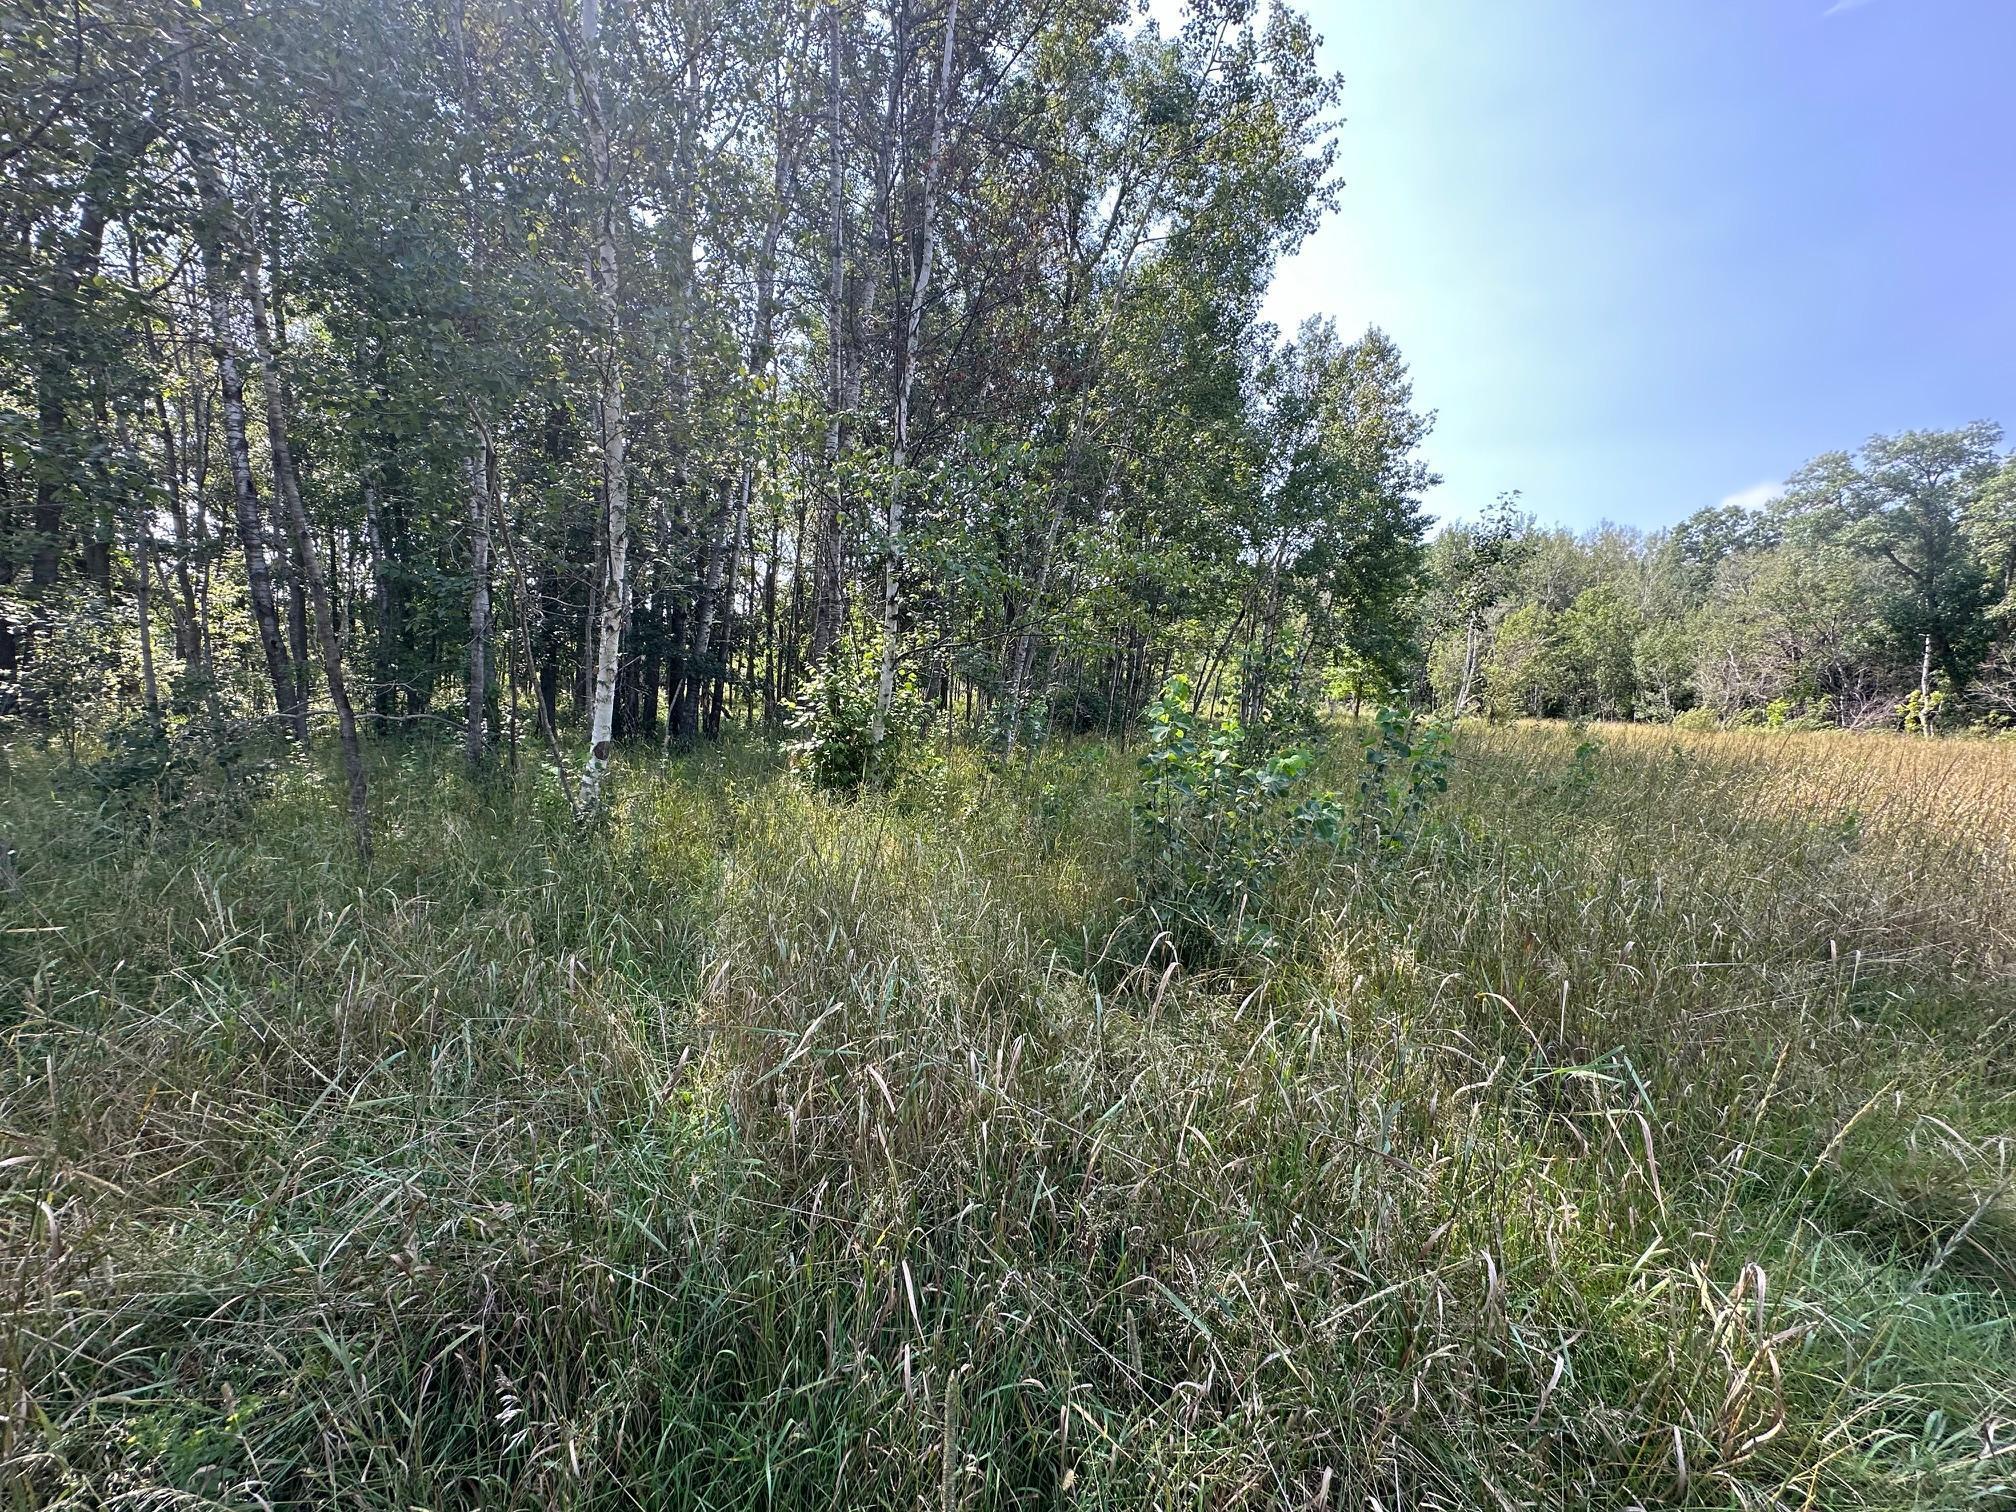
(1756, 496)
(1840, 6)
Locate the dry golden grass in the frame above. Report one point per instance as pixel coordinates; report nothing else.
(1963, 788)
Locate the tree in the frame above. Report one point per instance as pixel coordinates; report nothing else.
(1989, 524)
(1475, 570)
(611, 420)
(1597, 637)
(1521, 671)
(1901, 501)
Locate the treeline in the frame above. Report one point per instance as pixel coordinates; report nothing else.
(545, 374)
(627, 372)
(1878, 589)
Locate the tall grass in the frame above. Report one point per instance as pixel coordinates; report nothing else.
(1642, 1136)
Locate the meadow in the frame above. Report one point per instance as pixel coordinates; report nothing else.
(1641, 1133)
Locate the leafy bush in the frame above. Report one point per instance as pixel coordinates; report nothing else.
(190, 771)
(1918, 713)
(81, 672)
(1288, 717)
(1698, 720)
(1406, 768)
(834, 726)
(1216, 820)
(1223, 808)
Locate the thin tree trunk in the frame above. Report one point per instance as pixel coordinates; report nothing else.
(279, 541)
(287, 485)
(482, 468)
(1473, 640)
(770, 645)
(1925, 690)
(143, 568)
(920, 287)
(217, 222)
(245, 493)
(381, 582)
(829, 605)
(544, 693)
(716, 564)
(610, 418)
(482, 464)
(1024, 643)
(198, 447)
(187, 644)
(183, 613)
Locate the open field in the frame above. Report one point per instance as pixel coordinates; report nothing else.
(1645, 1134)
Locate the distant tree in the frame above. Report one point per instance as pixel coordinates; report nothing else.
(1901, 502)
(1665, 655)
(1989, 524)
(1799, 622)
(1476, 569)
(1520, 673)
(1597, 637)
(1690, 554)
(1343, 515)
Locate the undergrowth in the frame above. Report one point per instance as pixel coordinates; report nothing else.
(1641, 1137)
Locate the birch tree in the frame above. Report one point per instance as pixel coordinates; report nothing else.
(611, 424)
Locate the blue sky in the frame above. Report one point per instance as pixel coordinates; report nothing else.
(1648, 255)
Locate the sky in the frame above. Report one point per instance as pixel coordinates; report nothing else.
(1646, 256)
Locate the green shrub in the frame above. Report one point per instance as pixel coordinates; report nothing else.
(1216, 820)
(1406, 768)
(833, 725)
(1698, 720)
(1919, 713)
(192, 768)
(1223, 808)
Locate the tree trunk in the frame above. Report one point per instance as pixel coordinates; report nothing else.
(611, 421)
(59, 348)
(1473, 639)
(548, 674)
(482, 463)
(188, 646)
(920, 286)
(143, 567)
(1925, 690)
(286, 483)
(384, 629)
(245, 496)
(482, 469)
(829, 603)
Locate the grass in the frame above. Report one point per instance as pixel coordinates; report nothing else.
(1640, 1137)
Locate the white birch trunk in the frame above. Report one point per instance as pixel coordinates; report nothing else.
(609, 415)
(828, 595)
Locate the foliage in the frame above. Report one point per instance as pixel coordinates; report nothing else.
(1919, 712)
(1580, 778)
(189, 773)
(1217, 820)
(1822, 601)
(1522, 669)
(833, 725)
(1406, 768)
(80, 675)
(1098, 433)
